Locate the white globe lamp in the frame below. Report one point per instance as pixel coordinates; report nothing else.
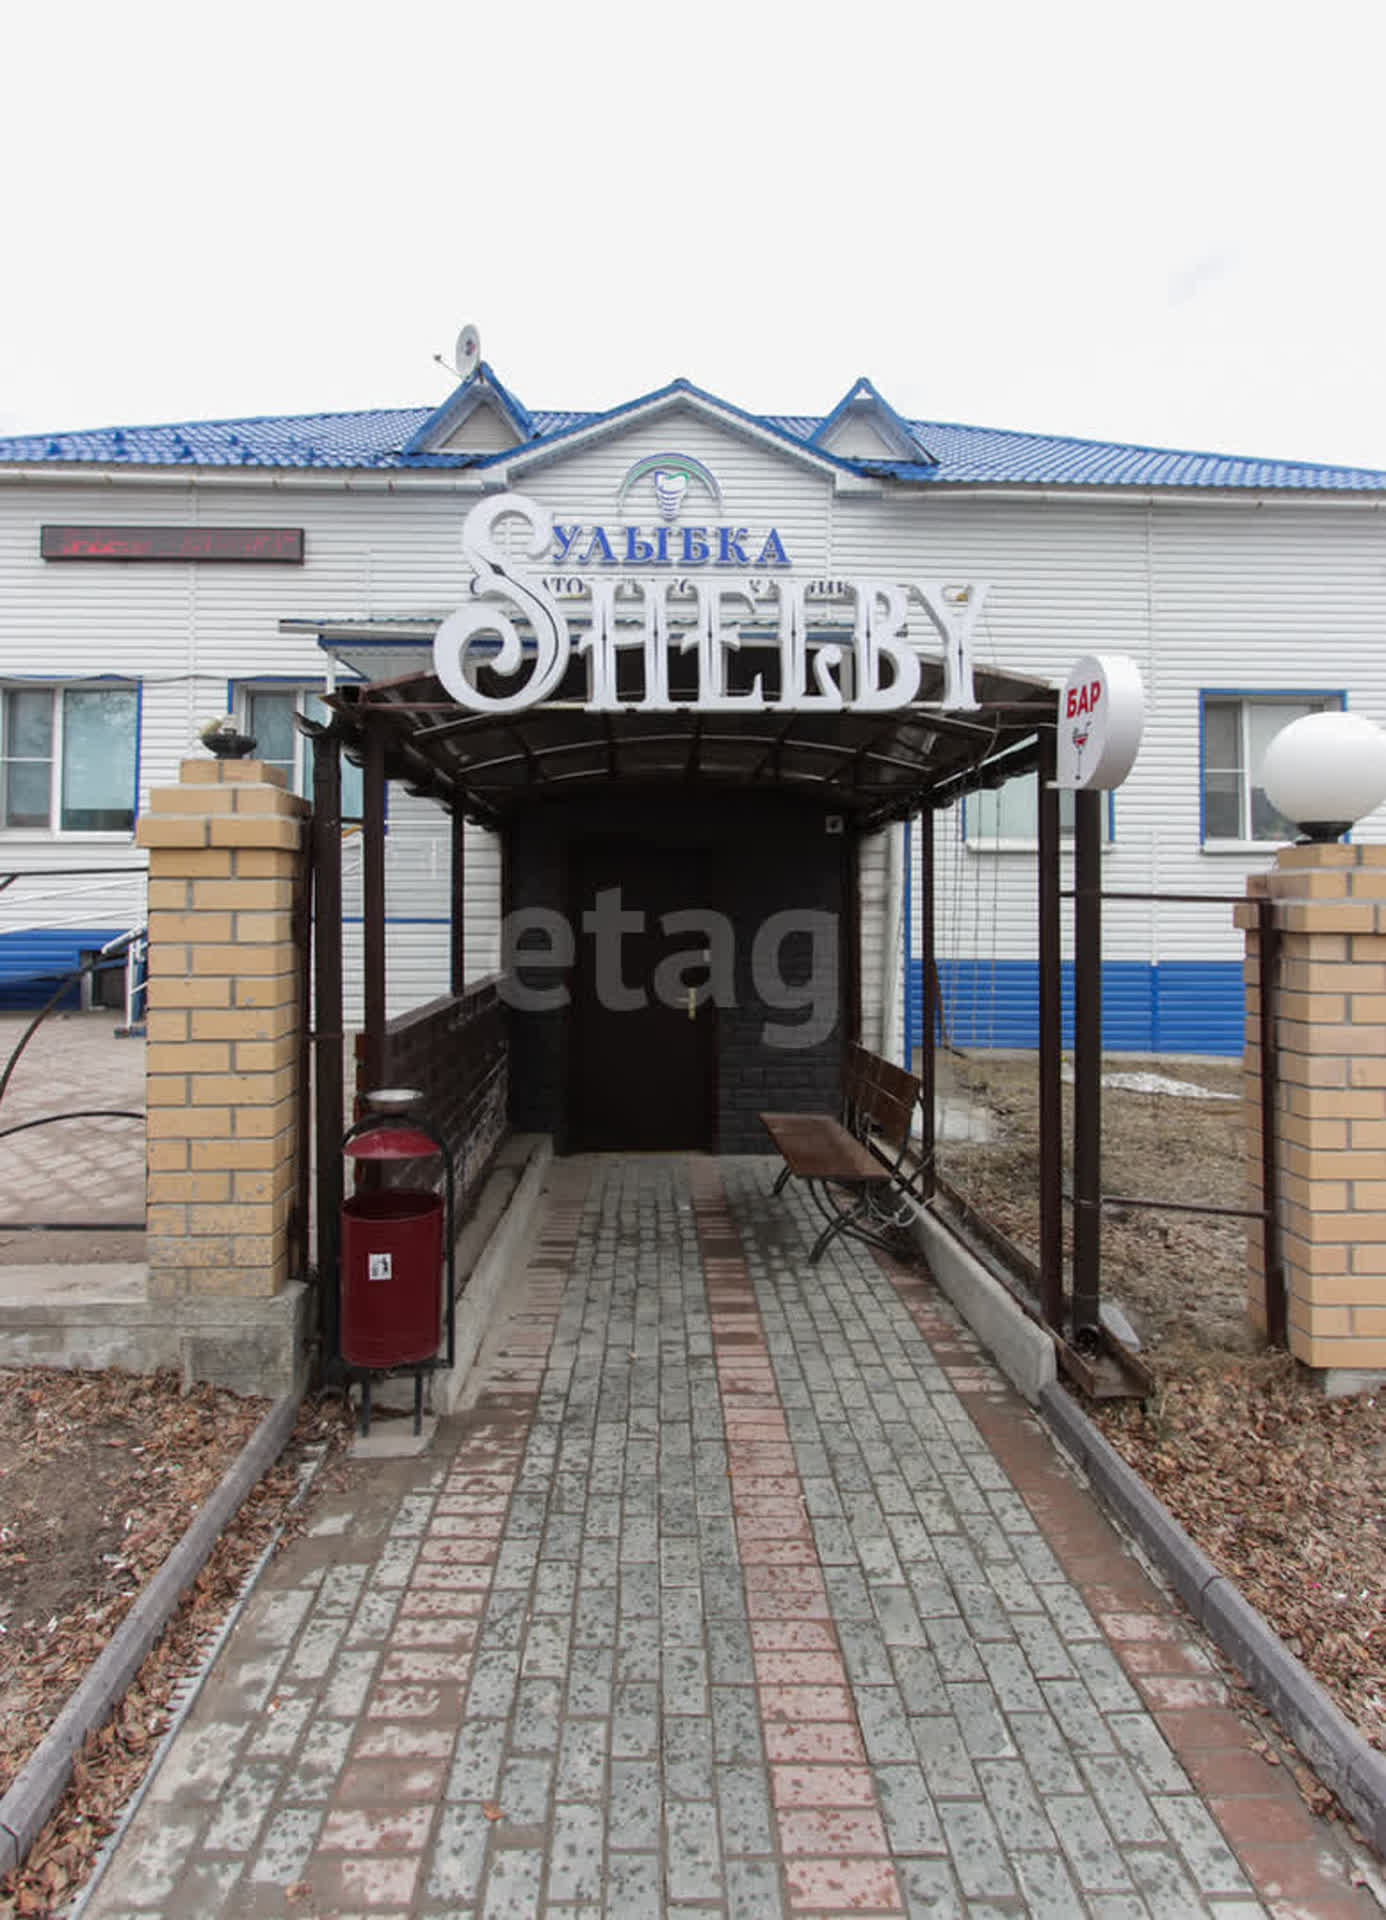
(1325, 771)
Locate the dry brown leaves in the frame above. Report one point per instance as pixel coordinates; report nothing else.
(1283, 1490)
(100, 1475)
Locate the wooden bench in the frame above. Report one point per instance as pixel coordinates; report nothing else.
(856, 1167)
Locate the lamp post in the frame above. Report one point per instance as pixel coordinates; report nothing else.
(1325, 771)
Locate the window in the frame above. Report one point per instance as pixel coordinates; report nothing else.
(1237, 729)
(68, 758)
(1008, 816)
(268, 713)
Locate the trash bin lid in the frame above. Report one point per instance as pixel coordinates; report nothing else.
(391, 1143)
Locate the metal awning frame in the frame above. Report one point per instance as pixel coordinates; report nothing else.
(874, 767)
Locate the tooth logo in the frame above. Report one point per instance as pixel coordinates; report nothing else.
(670, 486)
(671, 475)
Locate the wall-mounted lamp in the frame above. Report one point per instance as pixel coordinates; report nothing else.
(1326, 771)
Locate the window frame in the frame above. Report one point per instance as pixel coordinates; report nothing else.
(980, 843)
(238, 696)
(56, 687)
(1335, 700)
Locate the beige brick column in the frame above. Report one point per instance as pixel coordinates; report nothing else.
(225, 864)
(1330, 1021)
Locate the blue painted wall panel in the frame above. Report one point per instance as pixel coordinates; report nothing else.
(1180, 1006)
(1200, 1006)
(34, 961)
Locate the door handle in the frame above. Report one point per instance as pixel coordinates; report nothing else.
(692, 1003)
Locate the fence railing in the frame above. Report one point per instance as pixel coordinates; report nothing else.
(994, 1136)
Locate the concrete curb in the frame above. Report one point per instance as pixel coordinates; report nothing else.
(490, 1263)
(41, 1783)
(1021, 1348)
(1343, 1760)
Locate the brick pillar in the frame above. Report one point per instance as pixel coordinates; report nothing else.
(1330, 1015)
(225, 863)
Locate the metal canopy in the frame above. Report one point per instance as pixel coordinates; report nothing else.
(871, 767)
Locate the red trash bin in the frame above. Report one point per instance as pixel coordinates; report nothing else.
(392, 1250)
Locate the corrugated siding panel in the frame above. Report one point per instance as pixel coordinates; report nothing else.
(1128, 1006)
(1172, 1008)
(32, 964)
(1200, 1006)
(1202, 597)
(871, 872)
(417, 967)
(992, 1005)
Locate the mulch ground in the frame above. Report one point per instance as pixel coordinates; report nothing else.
(1284, 1489)
(100, 1475)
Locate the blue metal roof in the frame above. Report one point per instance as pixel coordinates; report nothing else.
(863, 395)
(961, 455)
(481, 384)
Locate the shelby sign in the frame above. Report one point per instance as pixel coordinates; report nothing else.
(840, 644)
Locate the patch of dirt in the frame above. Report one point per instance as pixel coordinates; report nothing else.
(1281, 1487)
(100, 1475)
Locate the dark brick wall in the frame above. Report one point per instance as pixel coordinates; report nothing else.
(768, 856)
(536, 873)
(455, 1051)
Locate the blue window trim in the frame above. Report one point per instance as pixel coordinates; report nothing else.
(63, 680)
(139, 750)
(1268, 694)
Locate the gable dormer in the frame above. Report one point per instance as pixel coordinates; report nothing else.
(863, 426)
(480, 417)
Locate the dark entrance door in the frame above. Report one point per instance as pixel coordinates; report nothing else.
(642, 1071)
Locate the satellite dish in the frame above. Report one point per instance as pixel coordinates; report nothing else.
(466, 355)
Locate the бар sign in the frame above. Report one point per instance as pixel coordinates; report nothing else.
(1101, 719)
(842, 645)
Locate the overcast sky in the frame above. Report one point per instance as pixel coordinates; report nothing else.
(1159, 224)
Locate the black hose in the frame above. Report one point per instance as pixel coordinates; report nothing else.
(87, 1113)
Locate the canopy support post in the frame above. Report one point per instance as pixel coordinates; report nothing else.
(458, 927)
(1051, 1114)
(373, 903)
(1087, 1063)
(928, 1062)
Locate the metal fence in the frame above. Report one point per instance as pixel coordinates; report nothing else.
(1086, 1178)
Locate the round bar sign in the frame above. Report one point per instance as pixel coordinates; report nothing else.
(1101, 717)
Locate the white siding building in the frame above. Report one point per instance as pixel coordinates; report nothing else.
(151, 578)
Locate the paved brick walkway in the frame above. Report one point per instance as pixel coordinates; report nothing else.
(745, 1589)
(83, 1170)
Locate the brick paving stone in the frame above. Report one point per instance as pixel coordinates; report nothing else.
(514, 1885)
(1047, 1886)
(745, 1810)
(744, 1588)
(89, 1170)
